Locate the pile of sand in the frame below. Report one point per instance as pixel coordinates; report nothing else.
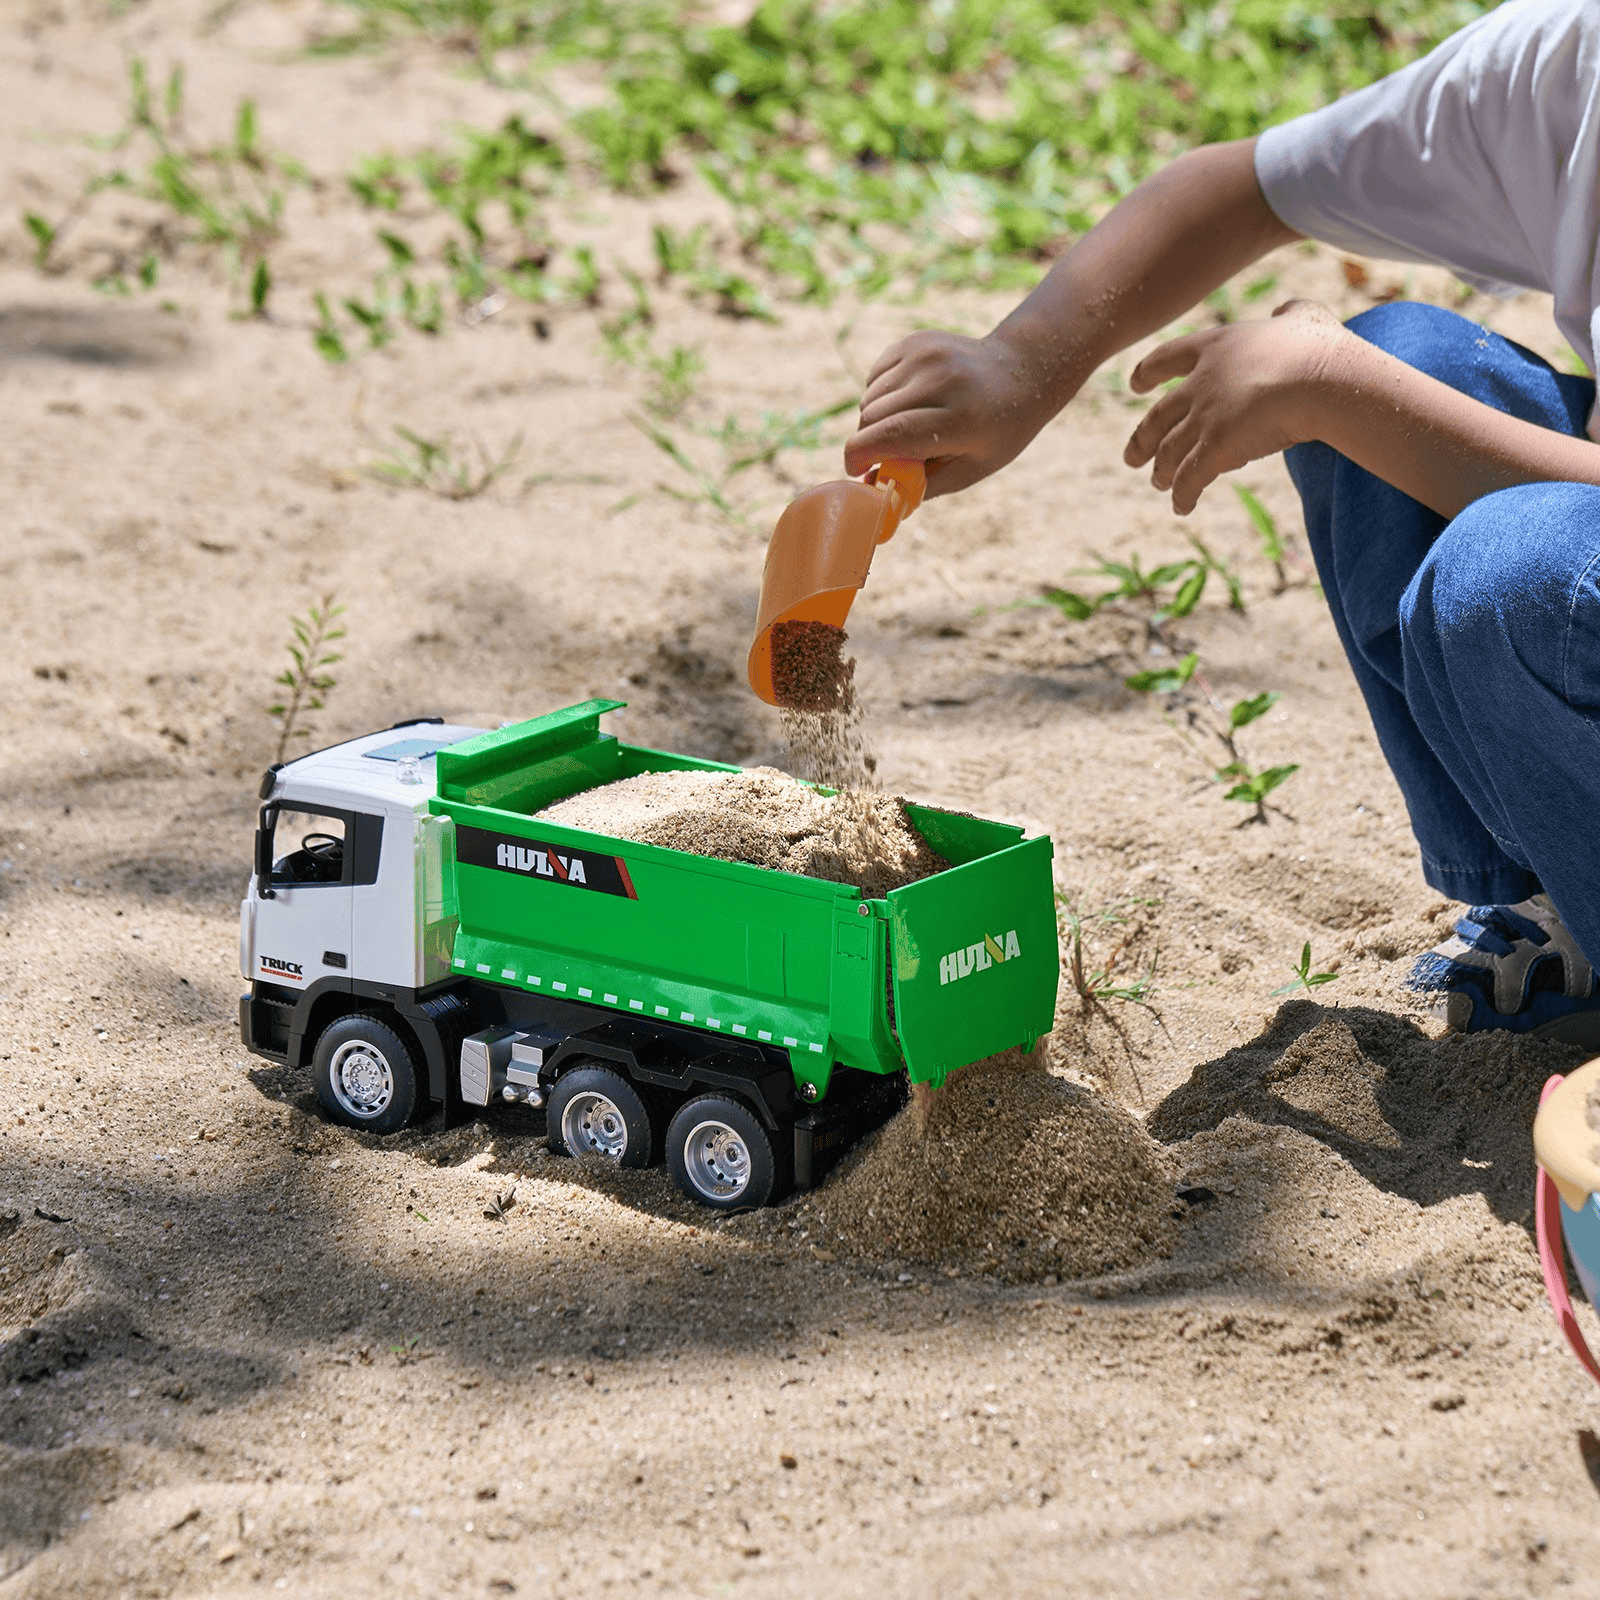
(764, 818)
(1007, 1169)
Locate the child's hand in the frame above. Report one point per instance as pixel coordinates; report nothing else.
(964, 406)
(1250, 390)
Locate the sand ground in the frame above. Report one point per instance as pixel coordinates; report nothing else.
(242, 1350)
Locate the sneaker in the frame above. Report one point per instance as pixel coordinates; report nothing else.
(1516, 968)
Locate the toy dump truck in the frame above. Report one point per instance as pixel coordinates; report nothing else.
(416, 933)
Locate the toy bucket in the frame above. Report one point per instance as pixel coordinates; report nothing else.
(1567, 1198)
(820, 551)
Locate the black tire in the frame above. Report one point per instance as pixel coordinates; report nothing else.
(594, 1110)
(722, 1155)
(367, 1075)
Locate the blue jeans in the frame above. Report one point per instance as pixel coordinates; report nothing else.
(1476, 640)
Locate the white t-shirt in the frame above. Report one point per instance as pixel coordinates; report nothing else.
(1483, 156)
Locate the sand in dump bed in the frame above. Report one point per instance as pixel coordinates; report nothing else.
(763, 818)
(1008, 1169)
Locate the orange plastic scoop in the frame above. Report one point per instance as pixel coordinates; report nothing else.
(820, 552)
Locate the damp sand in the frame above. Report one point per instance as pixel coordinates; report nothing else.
(1008, 1169)
(814, 681)
(810, 671)
(763, 818)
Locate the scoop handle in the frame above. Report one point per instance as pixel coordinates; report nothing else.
(907, 481)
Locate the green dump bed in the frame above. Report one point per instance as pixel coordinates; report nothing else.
(968, 956)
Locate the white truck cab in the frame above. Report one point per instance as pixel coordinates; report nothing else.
(347, 892)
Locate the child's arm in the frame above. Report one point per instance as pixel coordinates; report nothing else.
(971, 405)
(1255, 387)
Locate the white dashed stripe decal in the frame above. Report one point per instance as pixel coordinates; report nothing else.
(742, 1029)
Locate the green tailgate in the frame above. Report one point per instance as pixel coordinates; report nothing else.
(975, 959)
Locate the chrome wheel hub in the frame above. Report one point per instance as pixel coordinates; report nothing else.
(592, 1124)
(717, 1160)
(360, 1079)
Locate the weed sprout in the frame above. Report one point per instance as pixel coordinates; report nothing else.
(1304, 978)
(1097, 983)
(307, 679)
(435, 465)
(228, 196)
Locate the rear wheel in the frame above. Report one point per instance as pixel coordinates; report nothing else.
(596, 1111)
(720, 1153)
(366, 1074)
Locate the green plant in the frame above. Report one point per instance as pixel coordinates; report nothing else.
(1278, 551)
(228, 196)
(1252, 788)
(708, 488)
(434, 465)
(1304, 977)
(1095, 984)
(672, 379)
(307, 679)
(325, 335)
(1165, 680)
(1204, 716)
(774, 432)
(44, 237)
(1165, 593)
(742, 448)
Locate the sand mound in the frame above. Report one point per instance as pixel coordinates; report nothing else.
(1407, 1111)
(763, 818)
(1014, 1171)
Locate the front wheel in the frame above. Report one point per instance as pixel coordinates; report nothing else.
(366, 1074)
(720, 1153)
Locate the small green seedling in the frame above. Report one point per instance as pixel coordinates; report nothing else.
(229, 196)
(44, 238)
(1252, 788)
(1169, 591)
(710, 490)
(743, 447)
(1204, 714)
(307, 678)
(1095, 985)
(1278, 550)
(325, 335)
(775, 431)
(1165, 680)
(672, 380)
(260, 287)
(433, 465)
(1304, 977)
(1267, 527)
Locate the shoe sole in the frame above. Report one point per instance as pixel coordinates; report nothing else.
(1580, 1028)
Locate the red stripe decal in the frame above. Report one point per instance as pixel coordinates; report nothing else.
(627, 877)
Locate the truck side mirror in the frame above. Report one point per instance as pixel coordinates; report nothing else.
(264, 829)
